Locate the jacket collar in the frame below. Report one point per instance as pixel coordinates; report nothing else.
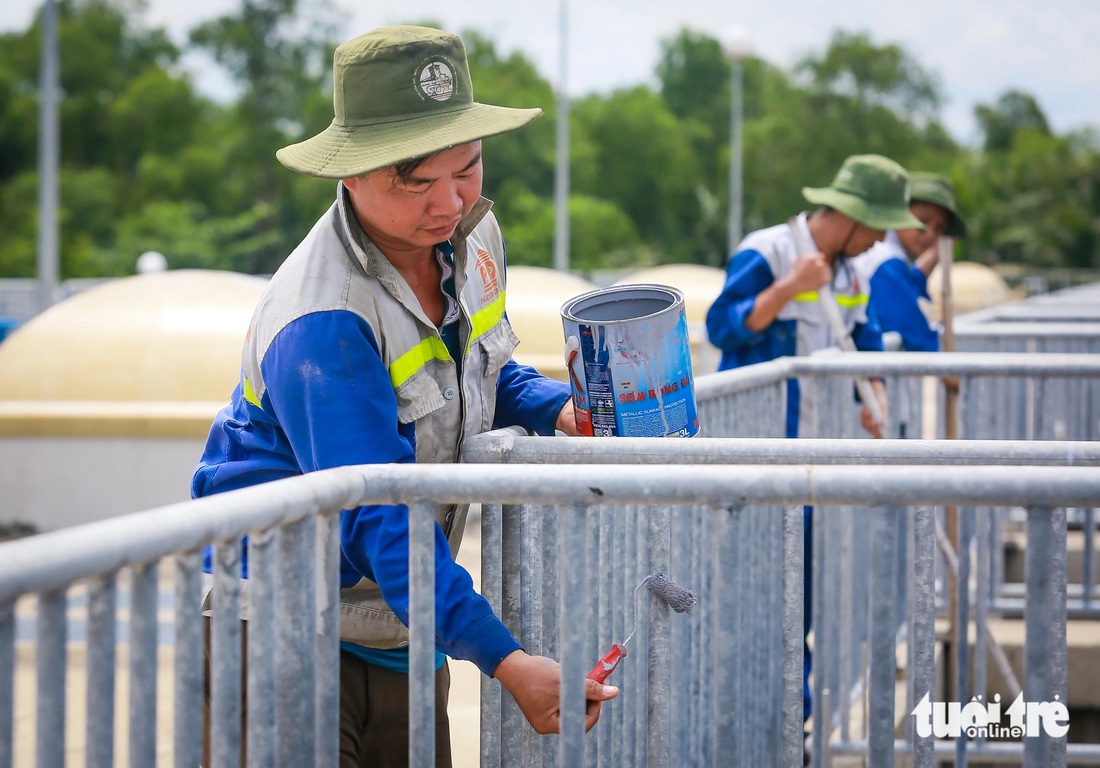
(368, 254)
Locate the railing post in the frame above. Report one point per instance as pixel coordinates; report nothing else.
(883, 670)
(188, 659)
(7, 683)
(573, 599)
(143, 665)
(962, 623)
(660, 646)
(726, 627)
(296, 644)
(492, 574)
(421, 635)
(50, 659)
(260, 650)
(328, 640)
(225, 656)
(100, 669)
(793, 622)
(530, 607)
(1045, 625)
(512, 720)
(922, 634)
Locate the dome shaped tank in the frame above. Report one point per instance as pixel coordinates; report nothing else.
(973, 286)
(106, 398)
(535, 299)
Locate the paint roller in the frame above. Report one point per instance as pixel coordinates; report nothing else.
(679, 599)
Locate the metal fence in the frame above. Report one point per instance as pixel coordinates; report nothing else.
(563, 549)
(703, 688)
(1066, 321)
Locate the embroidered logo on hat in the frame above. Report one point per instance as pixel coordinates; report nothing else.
(435, 80)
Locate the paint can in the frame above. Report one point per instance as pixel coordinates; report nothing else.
(629, 362)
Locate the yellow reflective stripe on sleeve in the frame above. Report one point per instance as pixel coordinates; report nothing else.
(842, 300)
(486, 318)
(405, 367)
(848, 302)
(250, 393)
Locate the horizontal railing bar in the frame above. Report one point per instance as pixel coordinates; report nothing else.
(714, 386)
(508, 446)
(1090, 330)
(62, 557)
(1018, 365)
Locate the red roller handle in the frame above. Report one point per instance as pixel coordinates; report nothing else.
(607, 664)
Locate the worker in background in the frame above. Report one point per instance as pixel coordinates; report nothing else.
(769, 306)
(896, 272)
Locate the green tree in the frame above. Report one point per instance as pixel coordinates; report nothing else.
(601, 235)
(646, 165)
(1036, 200)
(280, 58)
(1013, 112)
(121, 105)
(874, 75)
(525, 157)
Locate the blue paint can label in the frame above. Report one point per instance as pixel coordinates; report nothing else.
(629, 362)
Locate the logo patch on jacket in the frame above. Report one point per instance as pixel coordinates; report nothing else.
(487, 268)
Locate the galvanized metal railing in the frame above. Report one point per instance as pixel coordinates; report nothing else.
(692, 521)
(846, 605)
(1004, 396)
(723, 703)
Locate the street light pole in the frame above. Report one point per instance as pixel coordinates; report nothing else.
(49, 141)
(561, 173)
(736, 49)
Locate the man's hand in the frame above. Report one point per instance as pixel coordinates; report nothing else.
(866, 419)
(567, 420)
(928, 260)
(535, 684)
(808, 273)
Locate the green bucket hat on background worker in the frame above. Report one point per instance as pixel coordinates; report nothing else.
(871, 189)
(938, 190)
(399, 93)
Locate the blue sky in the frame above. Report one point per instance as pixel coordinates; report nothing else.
(978, 48)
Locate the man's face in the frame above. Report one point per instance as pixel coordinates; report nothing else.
(863, 237)
(935, 221)
(423, 209)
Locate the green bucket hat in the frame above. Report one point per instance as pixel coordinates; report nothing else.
(938, 190)
(399, 93)
(871, 189)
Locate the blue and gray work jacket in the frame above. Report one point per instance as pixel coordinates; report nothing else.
(341, 367)
(896, 287)
(800, 328)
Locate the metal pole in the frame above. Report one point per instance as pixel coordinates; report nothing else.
(951, 432)
(421, 634)
(572, 607)
(736, 120)
(49, 143)
(793, 621)
(561, 173)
